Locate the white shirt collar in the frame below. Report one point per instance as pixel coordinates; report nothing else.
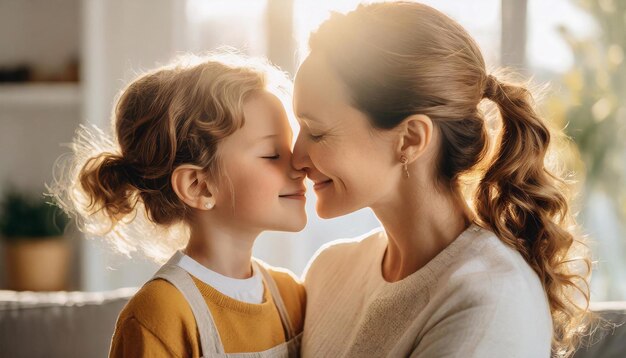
(248, 290)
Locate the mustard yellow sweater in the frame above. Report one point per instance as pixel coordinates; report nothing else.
(158, 321)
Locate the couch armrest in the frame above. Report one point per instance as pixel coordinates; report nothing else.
(59, 324)
(609, 341)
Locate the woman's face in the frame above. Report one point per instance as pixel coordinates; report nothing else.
(352, 164)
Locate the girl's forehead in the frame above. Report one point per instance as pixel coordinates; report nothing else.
(265, 118)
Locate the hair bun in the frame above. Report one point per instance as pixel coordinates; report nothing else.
(106, 181)
(491, 87)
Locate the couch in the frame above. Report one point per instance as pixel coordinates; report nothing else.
(80, 324)
(59, 324)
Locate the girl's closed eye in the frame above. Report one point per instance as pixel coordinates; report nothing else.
(273, 157)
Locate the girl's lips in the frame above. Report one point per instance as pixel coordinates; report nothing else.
(322, 185)
(299, 195)
(294, 197)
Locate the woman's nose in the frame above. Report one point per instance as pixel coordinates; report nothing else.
(300, 159)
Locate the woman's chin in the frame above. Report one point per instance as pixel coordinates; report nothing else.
(328, 211)
(292, 225)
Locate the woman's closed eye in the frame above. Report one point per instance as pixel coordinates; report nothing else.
(272, 157)
(316, 138)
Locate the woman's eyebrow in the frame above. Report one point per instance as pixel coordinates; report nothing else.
(307, 117)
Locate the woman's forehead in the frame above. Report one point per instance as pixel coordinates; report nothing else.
(316, 86)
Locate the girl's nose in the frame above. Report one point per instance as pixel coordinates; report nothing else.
(296, 174)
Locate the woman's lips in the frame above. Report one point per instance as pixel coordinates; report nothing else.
(322, 185)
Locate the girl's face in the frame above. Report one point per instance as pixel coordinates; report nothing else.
(261, 191)
(351, 163)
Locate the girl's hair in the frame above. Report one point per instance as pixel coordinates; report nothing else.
(399, 59)
(176, 114)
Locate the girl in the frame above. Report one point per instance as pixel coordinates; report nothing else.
(392, 119)
(200, 166)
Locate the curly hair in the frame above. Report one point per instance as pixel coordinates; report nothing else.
(402, 58)
(173, 115)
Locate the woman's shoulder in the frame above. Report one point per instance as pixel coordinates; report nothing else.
(490, 285)
(360, 246)
(486, 255)
(488, 271)
(352, 251)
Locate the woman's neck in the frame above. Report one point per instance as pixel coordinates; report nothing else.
(419, 225)
(224, 250)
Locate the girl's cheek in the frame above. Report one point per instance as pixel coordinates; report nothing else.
(275, 170)
(267, 181)
(260, 184)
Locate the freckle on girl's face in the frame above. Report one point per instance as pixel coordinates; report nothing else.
(268, 192)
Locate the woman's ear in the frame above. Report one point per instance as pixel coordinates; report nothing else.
(416, 133)
(192, 186)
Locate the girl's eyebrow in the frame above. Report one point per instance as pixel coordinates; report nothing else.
(268, 136)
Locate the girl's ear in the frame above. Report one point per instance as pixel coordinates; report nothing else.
(192, 186)
(415, 133)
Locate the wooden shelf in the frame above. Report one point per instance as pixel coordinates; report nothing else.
(40, 94)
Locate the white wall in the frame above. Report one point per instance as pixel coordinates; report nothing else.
(43, 32)
(120, 39)
(36, 119)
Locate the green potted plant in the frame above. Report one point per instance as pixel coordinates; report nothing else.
(37, 255)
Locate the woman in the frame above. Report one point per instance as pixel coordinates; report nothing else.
(388, 102)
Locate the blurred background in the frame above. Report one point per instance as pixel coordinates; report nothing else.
(63, 61)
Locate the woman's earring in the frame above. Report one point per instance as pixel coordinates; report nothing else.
(209, 205)
(404, 160)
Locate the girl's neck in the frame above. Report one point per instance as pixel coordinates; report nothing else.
(419, 225)
(225, 251)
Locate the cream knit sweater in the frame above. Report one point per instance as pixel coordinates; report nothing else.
(477, 298)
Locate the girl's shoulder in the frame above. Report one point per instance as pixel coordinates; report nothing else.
(153, 322)
(289, 285)
(155, 303)
(291, 291)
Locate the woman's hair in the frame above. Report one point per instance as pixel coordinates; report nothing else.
(173, 115)
(399, 59)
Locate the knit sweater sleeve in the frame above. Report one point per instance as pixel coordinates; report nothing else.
(132, 339)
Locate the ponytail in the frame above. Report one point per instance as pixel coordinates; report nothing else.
(106, 182)
(526, 206)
